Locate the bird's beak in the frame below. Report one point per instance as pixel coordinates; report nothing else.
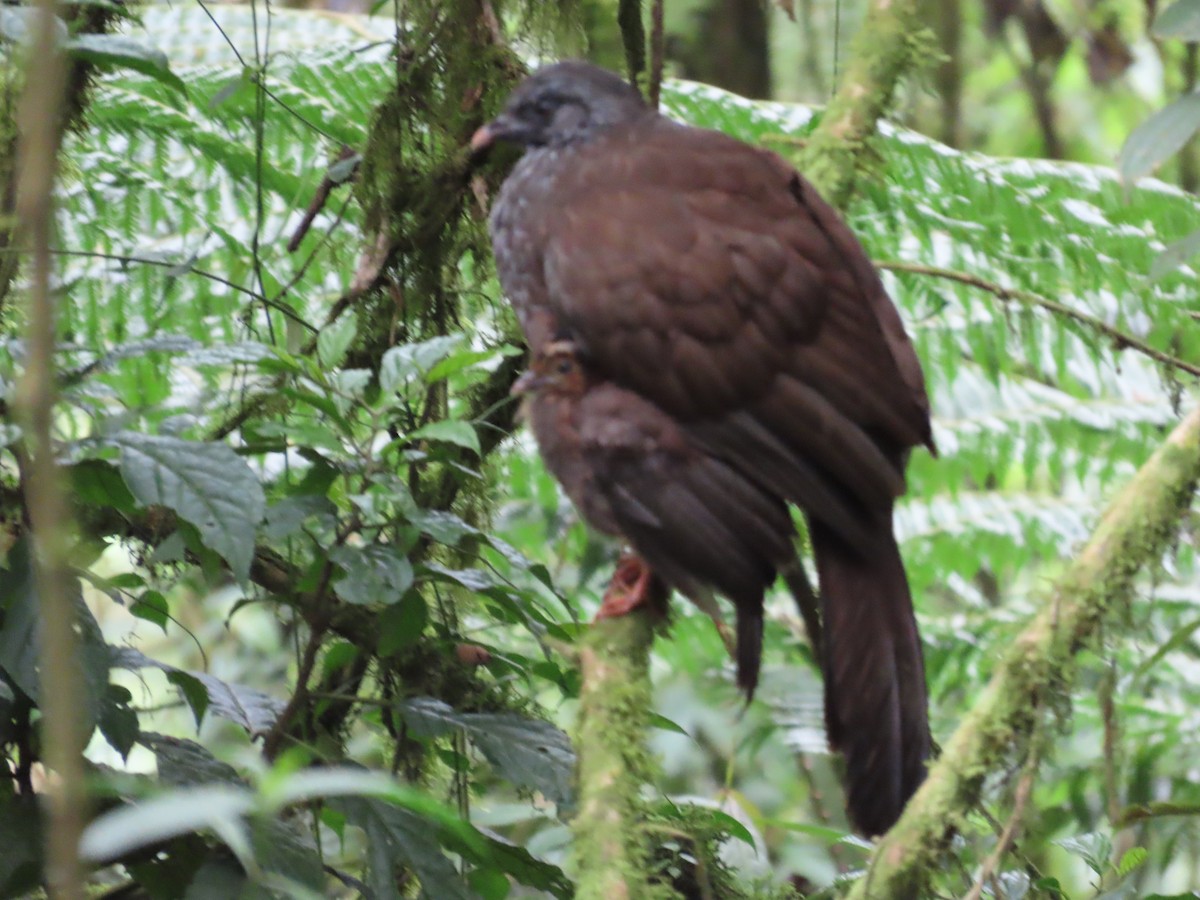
(527, 384)
(501, 128)
(483, 138)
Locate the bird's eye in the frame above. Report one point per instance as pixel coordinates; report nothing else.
(565, 366)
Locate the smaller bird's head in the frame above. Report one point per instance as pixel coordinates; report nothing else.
(556, 370)
(560, 104)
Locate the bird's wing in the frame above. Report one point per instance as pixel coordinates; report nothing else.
(699, 524)
(709, 277)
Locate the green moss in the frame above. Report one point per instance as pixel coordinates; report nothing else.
(612, 850)
(1037, 672)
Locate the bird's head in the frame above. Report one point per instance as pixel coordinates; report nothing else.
(556, 370)
(560, 104)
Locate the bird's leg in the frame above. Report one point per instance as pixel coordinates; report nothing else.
(632, 586)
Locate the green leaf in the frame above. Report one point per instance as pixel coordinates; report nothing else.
(1131, 859)
(120, 831)
(528, 752)
(20, 627)
(17, 25)
(342, 169)
(1180, 20)
(490, 884)
(21, 838)
(1175, 255)
(333, 343)
(193, 691)
(401, 624)
(152, 607)
(116, 51)
(207, 484)
(521, 865)
(118, 720)
(183, 763)
(248, 707)
(413, 360)
(1093, 848)
(288, 516)
(375, 574)
(1159, 138)
(98, 483)
(660, 721)
(398, 834)
(461, 434)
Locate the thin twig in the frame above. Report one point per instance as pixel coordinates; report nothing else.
(1020, 800)
(41, 122)
(166, 264)
(1028, 298)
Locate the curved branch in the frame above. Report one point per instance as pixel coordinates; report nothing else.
(1097, 589)
(1027, 298)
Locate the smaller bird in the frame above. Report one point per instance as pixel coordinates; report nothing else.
(631, 471)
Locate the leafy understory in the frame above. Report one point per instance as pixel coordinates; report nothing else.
(258, 455)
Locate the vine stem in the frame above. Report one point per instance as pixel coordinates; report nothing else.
(41, 122)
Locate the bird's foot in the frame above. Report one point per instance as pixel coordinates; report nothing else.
(630, 588)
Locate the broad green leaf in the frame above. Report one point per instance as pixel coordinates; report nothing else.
(207, 484)
(115, 833)
(375, 574)
(184, 763)
(1094, 848)
(490, 884)
(528, 752)
(462, 434)
(118, 721)
(412, 361)
(21, 838)
(398, 834)
(520, 864)
(1175, 255)
(286, 517)
(401, 624)
(152, 607)
(20, 628)
(1180, 20)
(333, 343)
(1133, 858)
(114, 50)
(248, 707)
(1159, 138)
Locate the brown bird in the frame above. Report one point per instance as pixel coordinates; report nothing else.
(700, 526)
(706, 278)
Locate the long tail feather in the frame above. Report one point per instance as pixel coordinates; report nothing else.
(875, 696)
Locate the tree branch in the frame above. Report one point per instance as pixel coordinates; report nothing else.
(42, 117)
(1097, 589)
(883, 50)
(1028, 298)
(611, 852)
